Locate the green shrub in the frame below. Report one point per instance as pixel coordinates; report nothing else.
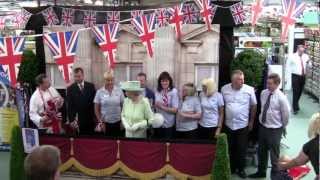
(17, 155)
(221, 166)
(251, 62)
(29, 68)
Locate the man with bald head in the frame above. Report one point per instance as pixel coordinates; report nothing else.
(43, 163)
(240, 110)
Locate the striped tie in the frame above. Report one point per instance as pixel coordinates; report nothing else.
(265, 109)
(165, 97)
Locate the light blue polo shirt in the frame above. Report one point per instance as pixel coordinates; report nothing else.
(210, 109)
(190, 104)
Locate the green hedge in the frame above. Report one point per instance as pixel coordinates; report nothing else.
(251, 62)
(29, 68)
(17, 155)
(221, 166)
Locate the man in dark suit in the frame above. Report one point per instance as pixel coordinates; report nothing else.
(148, 93)
(80, 97)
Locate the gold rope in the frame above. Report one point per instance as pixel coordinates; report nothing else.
(167, 154)
(71, 148)
(118, 150)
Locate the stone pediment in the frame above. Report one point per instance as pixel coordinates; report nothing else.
(191, 34)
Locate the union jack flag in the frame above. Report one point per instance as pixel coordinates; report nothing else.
(291, 10)
(145, 26)
(22, 18)
(113, 17)
(106, 37)
(135, 14)
(256, 10)
(190, 13)
(176, 18)
(238, 13)
(2, 22)
(207, 11)
(162, 17)
(63, 46)
(89, 18)
(11, 49)
(67, 17)
(50, 16)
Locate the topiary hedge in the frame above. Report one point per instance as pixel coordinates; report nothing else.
(29, 68)
(17, 155)
(221, 166)
(251, 62)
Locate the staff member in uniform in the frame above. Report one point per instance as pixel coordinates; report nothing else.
(189, 113)
(273, 120)
(212, 111)
(240, 106)
(107, 105)
(147, 92)
(167, 103)
(296, 67)
(80, 97)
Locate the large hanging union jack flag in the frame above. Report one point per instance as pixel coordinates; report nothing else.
(237, 12)
(50, 16)
(11, 49)
(63, 46)
(176, 18)
(106, 37)
(190, 13)
(291, 10)
(67, 17)
(145, 26)
(113, 17)
(206, 11)
(256, 10)
(89, 18)
(162, 17)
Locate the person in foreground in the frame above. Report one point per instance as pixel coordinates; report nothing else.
(240, 106)
(310, 150)
(273, 121)
(136, 113)
(43, 163)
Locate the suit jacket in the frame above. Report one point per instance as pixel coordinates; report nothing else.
(81, 103)
(150, 95)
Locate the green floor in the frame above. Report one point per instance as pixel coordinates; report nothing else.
(296, 137)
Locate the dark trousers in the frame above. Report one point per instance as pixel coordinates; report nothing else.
(269, 141)
(297, 88)
(186, 134)
(238, 142)
(163, 133)
(113, 129)
(206, 133)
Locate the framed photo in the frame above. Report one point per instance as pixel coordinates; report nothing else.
(30, 139)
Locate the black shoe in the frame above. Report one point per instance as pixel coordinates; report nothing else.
(242, 174)
(295, 112)
(258, 175)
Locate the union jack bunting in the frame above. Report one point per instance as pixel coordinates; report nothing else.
(145, 26)
(50, 16)
(113, 17)
(11, 49)
(22, 18)
(256, 10)
(2, 22)
(190, 13)
(162, 17)
(238, 13)
(89, 18)
(291, 10)
(106, 37)
(135, 14)
(176, 18)
(63, 46)
(206, 11)
(67, 17)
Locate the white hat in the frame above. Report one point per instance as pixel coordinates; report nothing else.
(158, 120)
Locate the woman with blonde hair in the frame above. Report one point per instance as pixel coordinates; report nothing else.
(212, 105)
(107, 105)
(188, 114)
(310, 150)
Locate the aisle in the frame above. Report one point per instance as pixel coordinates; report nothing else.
(297, 133)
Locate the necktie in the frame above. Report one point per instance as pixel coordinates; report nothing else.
(302, 66)
(81, 87)
(165, 98)
(265, 109)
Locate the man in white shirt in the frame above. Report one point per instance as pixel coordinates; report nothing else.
(273, 120)
(39, 103)
(240, 110)
(296, 68)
